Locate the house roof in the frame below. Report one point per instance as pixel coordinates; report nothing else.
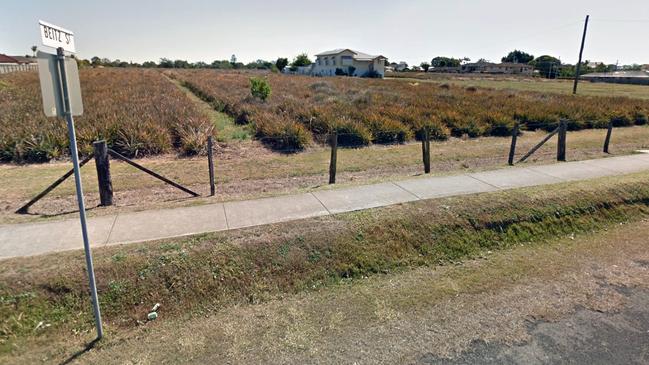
(359, 56)
(15, 59)
(23, 59)
(7, 59)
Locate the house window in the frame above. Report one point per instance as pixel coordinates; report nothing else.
(346, 60)
(326, 61)
(333, 61)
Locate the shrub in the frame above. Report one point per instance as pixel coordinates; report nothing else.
(283, 137)
(259, 88)
(141, 140)
(640, 118)
(372, 74)
(437, 131)
(620, 119)
(352, 133)
(340, 72)
(385, 130)
(193, 137)
(498, 124)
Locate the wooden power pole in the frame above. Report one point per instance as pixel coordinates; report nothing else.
(581, 53)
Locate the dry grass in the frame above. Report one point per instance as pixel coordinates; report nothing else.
(481, 299)
(207, 273)
(248, 170)
(513, 83)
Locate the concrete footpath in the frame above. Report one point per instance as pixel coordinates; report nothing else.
(39, 238)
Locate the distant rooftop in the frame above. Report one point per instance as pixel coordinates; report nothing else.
(635, 74)
(357, 55)
(15, 59)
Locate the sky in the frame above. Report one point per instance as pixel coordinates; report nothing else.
(411, 31)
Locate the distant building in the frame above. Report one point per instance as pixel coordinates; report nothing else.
(349, 62)
(445, 69)
(498, 68)
(298, 70)
(594, 64)
(16, 63)
(619, 77)
(401, 66)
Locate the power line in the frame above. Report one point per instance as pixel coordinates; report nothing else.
(622, 20)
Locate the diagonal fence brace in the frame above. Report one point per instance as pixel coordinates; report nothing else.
(156, 175)
(24, 209)
(547, 138)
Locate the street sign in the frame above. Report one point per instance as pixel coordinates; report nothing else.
(62, 98)
(48, 70)
(56, 37)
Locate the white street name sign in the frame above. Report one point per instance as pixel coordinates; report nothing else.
(55, 37)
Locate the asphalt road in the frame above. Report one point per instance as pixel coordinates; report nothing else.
(587, 337)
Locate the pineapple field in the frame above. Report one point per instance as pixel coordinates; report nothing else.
(141, 112)
(365, 111)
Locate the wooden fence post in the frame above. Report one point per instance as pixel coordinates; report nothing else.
(561, 146)
(423, 148)
(427, 167)
(608, 136)
(334, 157)
(512, 148)
(102, 164)
(210, 163)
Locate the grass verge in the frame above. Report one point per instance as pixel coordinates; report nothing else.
(47, 296)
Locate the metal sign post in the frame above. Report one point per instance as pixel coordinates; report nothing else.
(58, 75)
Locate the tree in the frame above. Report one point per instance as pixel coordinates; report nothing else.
(601, 67)
(281, 63)
(96, 61)
(301, 60)
(166, 63)
(34, 49)
(82, 63)
(181, 64)
(199, 64)
(225, 64)
(445, 62)
(517, 56)
(233, 60)
(547, 66)
(149, 64)
(425, 66)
